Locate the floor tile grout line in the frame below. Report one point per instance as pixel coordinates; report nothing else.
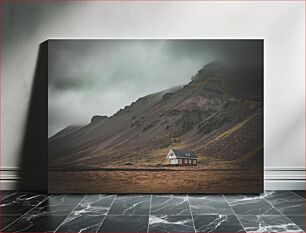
(25, 213)
(191, 214)
(70, 213)
(149, 213)
(280, 211)
(297, 194)
(234, 212)
(283, 214)
(107, 213)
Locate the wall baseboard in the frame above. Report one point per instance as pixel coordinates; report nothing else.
(10, 179)
(284, 178)
(284, 185)
(276, 178)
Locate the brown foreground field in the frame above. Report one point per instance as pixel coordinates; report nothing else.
(156, 180)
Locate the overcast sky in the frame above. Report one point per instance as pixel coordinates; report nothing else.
(98, 77)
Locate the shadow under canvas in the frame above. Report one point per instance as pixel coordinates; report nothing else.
(33, 171)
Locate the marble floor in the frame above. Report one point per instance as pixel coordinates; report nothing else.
(273, 211)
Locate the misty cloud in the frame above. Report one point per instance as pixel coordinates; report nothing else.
(98, 77)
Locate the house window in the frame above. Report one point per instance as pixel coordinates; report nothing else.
(185, 160)
(179, 161)
(194, 161)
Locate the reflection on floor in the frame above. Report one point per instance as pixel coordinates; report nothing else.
(273, 211)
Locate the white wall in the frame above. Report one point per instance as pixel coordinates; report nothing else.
(280, 24)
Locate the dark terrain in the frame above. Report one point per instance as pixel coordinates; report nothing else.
(218, 114)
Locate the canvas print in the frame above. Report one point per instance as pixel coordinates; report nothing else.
(155, 116)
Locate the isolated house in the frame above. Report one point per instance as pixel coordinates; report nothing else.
(182, 157)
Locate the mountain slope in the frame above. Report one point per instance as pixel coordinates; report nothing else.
(219, 114)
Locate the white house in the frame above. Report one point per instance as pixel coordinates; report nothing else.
(182, 157)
